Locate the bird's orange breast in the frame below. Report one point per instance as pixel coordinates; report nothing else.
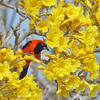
(29, 48)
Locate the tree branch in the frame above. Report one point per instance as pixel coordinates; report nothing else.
(3, 29)
(97, 50)
(28, 34)
(19, 11)
(7, 39)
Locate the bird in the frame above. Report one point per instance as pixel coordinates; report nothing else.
(35, 48)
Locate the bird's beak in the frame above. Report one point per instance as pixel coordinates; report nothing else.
(46, 48)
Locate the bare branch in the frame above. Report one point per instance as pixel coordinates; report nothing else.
(0, 35)
(28, 34)
(24, 36)
(97, 50)
(17, 33)
(16, 36)
(7, 39)
(3, 29)
(19, 11)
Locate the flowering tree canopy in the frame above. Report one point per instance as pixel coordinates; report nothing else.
(72, 31)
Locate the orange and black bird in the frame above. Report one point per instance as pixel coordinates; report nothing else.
(33, 47)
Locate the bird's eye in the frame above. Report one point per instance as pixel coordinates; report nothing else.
(42, 44)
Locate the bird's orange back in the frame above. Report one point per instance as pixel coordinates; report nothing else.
(30, 46)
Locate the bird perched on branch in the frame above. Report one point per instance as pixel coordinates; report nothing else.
(33, 47)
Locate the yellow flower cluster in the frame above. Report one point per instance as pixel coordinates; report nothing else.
(10, 86)
(73, 32)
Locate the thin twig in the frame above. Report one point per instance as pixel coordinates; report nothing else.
(28, 34)
(3, 29)
(24, 37)
(16, 32)
(19, 11)
(19, 23)
(97, 50)
(16, 36)
(7, 39)
(0, 35)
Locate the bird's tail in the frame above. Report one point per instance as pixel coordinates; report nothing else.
(25, 69)
(23, 73)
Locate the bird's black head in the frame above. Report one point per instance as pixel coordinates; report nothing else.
(40, 46)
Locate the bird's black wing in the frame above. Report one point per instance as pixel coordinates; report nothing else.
(26, 44)
(23, 73)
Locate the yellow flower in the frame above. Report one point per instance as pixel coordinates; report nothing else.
(63, 41)
(31, 6)
(26, 57)
(13, 80)
(65, 67)
(80, 52)
(9, 81)
(81, 86)
(43, 26)
(93, 89)
(98, 15)
(85, 20)
(74, 12)
(48, 72)
(74, 47)
(29, 89)
(49, 2)
(18, 64)
(23, 90)
(88, 36)
(58, 13)
(98, 40)
(56, 16)
(32, 23)
(90, 65)
(73, 34)
(72, 79)
(0, 43)
(2, 54)
(4, 70)
(41, 67)
(62, 91)
(52, 20)
(61, 68)
(6, 54)
(19, 52)
(1, 97)
(15, 60)
(21, 3)
(53, 37)
(88, 3)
